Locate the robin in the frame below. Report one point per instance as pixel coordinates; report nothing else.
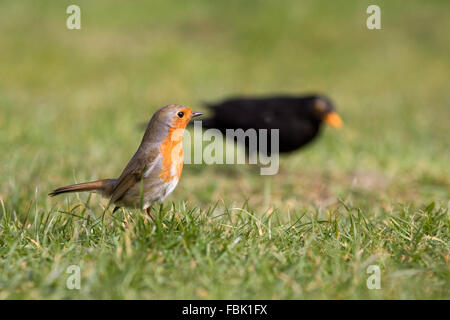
(155, 168)
(298, 118)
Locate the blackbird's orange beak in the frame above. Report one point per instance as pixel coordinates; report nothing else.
(333, 119)
(196, 114)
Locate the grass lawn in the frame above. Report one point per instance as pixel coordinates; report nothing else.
(376, 192)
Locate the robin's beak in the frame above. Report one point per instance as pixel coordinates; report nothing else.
(333, 119)
(196, 114)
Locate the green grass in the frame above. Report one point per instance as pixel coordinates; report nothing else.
(233, 254)
(376, 192)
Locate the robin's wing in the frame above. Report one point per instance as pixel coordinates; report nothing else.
(142, 163)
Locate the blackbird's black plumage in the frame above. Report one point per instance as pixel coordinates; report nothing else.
(298, 119)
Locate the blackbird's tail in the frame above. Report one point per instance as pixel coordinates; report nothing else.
(209, 122)
(102, 186)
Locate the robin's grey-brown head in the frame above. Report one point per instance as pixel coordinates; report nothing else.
(175, 116)
(172, 116)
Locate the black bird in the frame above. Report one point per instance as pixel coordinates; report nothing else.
(298, 118)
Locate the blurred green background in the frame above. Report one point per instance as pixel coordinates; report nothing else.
(71, 101)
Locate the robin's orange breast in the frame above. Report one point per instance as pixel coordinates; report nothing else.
(172, 155)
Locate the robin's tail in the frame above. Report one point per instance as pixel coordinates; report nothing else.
(102, 186)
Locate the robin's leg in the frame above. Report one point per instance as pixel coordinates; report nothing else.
(149, 212)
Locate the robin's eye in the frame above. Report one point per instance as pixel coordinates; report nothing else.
(180, 114)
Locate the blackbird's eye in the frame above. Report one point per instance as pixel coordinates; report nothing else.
(180, 114)
(320, 106)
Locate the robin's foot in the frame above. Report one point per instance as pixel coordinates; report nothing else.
(149, 213)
